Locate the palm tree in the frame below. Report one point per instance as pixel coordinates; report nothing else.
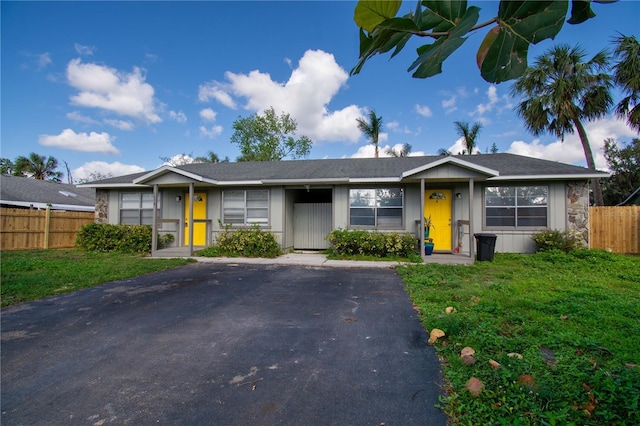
(37, 167)
(626, 74)
(561, 91)
(468, 135)
(210, 157)
(404, 151)
(371, 129)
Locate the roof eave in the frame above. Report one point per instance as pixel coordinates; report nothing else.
(303, 181)
(113, 185)
(580, 176)
(375, 180)
(52, 206)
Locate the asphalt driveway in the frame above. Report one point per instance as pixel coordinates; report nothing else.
(222, 345)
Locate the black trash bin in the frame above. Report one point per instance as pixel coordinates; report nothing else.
(485, 246)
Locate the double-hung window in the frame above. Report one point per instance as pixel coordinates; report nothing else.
(136, 208)
(245, 207)
(376, 208)
(516, 206)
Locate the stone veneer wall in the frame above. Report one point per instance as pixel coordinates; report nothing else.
(102, 206)
(578, 209)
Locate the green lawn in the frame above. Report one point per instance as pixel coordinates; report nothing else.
(574, 318)
(34, 274)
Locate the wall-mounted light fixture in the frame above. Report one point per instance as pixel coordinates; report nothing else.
(178, 198)
(458, 195)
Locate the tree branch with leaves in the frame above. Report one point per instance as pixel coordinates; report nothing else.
(269, 137)
(501, 56)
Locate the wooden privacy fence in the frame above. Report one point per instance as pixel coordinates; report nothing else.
(23, 229)
(615, 228)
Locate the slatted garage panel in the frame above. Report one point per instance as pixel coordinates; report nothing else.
(311, 224)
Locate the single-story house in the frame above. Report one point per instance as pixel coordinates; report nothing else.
(23, 192)
(301, 201)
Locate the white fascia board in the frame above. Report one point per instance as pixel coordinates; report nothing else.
(303, 181)
(51, 206)
(112, 185)
(596, 175)
(168, 169)
(451, 160)
(239, 182)
(375, 180)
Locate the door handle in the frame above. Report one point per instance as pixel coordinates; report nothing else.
(186, 224)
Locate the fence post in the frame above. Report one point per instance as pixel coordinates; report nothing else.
(47, 220)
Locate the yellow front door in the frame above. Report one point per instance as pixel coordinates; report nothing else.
(199, 212)
(437, 204)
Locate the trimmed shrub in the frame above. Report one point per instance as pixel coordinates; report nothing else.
(246, 242)
(557, 240)
(107, 238)
(378, 244)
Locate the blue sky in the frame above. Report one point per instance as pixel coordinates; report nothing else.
(111, 87)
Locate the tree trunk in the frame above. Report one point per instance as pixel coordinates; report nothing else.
(591, 164)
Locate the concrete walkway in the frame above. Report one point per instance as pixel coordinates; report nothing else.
(315, 259)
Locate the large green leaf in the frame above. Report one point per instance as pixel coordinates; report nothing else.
(369, 13)
(503, 53)
(431, 56)
(449, 12)
(581, 10)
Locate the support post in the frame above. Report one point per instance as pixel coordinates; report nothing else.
(422, 217)
(191, 194)
(471, 225)
(154, 222)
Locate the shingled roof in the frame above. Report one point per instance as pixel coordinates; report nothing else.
(499, 167)
(26, 192)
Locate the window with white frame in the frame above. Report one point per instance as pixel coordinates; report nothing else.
(516, 206)
(136, 208)
(376, 208)
(245, 207)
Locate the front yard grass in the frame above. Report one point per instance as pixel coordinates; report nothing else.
(34, 274)
(573, 317)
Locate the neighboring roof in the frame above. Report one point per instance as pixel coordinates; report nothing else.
(27, 192)
(633, 199)
(494, 166)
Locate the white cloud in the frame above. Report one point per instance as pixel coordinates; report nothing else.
(119, 124)
(210, 133)
(215, 90)
(105, 169)
(423, 110)
(84, 50)
(106, 88)
(570, 151)
(179, 116)
(495, 102)
(369, 151)
(92, 142)
(77, 116)
(179, 160)
(208, 114)
(305, 96)
(43, 60)
(449, 105)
